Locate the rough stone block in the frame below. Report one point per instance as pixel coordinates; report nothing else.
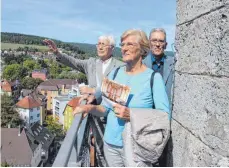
(189, 9)
(190, 151)
(203, 45)
(201, 105)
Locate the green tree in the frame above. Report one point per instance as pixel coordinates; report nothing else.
(65, 68)
(14, 71)
(43, 63)
(82, 78)
(37, 66)
(8, 114)
(68, 75)
(30, 83)
(55, 70)
(5, 164)
(29, 65)
(55, 128)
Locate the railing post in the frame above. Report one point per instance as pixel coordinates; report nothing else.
(66, 150)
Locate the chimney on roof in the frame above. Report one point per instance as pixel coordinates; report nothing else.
(19, 131)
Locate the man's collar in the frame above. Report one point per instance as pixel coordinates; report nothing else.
(106, 61)
(161, 60)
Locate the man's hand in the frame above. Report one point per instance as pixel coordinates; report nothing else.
(89, 98)
(82, 109)
(86, 90)
(122, 112)
(51, 45)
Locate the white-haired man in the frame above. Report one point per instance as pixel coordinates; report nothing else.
(94, 68)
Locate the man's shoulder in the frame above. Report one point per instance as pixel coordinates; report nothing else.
(92, 60)
(169, 59)
(118, 62)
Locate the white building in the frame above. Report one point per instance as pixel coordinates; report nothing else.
(28, 109)
(59, 104)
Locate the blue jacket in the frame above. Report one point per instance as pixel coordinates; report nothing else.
(168, 72)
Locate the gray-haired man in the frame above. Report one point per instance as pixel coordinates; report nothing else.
(158, 61)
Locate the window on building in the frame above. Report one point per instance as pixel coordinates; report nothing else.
(31, 110)
(35, 132)
(38, 115)
(31, 117)
(57, 109)
(37, 108)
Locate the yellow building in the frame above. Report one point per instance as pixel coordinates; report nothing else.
(52, 88)
(68, 112)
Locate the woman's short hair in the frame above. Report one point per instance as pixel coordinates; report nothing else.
(142, 39)
(109, 38)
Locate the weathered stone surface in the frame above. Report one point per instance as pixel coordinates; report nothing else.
(201, 105)
(201, 95)
(203, 45)
(190, 9)
(190, 151)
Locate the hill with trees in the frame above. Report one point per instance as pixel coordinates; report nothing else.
(87, 50)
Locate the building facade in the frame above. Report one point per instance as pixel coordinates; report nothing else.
(59, 104)
(53, 87)
(68, 112)
(41, 74)
(28, 109)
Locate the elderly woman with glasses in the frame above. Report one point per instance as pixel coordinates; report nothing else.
(134, 47)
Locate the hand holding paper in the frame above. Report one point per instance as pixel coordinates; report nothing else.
(122, 111)
(114, 92)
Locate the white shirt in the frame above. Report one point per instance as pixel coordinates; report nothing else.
(105, 64)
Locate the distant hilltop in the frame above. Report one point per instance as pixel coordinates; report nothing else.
(80, 48)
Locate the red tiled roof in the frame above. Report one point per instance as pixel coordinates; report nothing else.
(28, 102)
(5, 86)
(74, 102)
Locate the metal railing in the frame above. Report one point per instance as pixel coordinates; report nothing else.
(68, 155)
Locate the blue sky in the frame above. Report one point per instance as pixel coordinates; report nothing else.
(85, 20)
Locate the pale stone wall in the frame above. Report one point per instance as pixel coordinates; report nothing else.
(200, 125)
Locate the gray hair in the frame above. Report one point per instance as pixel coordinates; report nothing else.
(157, 30)
(109, 38)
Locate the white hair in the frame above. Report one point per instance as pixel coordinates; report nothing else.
(110, 38)
(158, 30)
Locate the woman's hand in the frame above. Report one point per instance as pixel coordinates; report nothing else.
(122, 112)
(51, 45)
(82, 109)
(86, 90)
(88, 98)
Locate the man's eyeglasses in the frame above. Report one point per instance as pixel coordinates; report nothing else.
(102, 45)
(128, 45)
(155, 41)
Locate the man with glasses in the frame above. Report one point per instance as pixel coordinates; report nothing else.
(94, 68)
(158, 61)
